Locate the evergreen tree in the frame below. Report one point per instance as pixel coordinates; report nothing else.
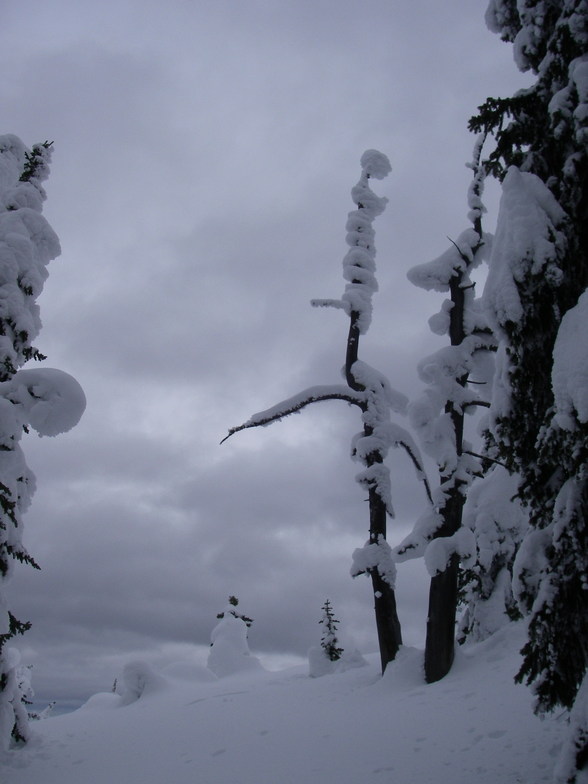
(229, 647)
(538, 274)
(46, 399)
(329, 641)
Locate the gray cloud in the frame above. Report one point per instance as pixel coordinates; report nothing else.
(204, 155)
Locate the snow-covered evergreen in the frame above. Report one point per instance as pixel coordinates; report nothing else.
(47, 400)
(329, 640)
(229, 652)
(538, 276)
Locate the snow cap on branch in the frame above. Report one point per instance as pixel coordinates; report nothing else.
(464, 254)
(52, 401)
(375, 556)
(527, 241)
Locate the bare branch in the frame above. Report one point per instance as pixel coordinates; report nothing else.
(489, 459)
(328, 303)
(295, 404)
(483, 403)
(419, 468)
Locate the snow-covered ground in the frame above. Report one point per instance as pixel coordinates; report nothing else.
(350, 727)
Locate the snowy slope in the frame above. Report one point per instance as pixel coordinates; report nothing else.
(351, 727)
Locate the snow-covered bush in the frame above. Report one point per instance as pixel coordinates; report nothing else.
(46, 400)
(138, 680)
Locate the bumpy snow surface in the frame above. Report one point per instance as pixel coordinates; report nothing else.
(350, 727)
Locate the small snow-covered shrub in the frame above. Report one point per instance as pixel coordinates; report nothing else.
(139, 680)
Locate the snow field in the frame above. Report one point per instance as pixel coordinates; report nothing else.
(351, 727)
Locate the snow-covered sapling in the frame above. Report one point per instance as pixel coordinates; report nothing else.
(47, 400)
(329, 641)
(372, 393)
(229, 648)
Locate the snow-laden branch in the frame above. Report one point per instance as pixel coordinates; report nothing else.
(50, 400)
(374, 556)
(295, 404)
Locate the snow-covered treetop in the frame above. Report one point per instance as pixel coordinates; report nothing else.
(375, 164)
(529, 24)
(27, 245)
(471, 247)
(359, 263)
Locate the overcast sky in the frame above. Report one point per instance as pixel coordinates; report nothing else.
(204, 155)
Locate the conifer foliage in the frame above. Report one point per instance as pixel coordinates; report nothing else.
(329, 641)
(45, 399)
(538, 307)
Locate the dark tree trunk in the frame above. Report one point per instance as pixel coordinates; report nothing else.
(440, 645)
(387, 621)
(440, 642)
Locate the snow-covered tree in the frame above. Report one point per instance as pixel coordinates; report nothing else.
(536, 303)
(329, 641)
(45, 399)
(371, 392)
(439, 416)
(229, 648)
